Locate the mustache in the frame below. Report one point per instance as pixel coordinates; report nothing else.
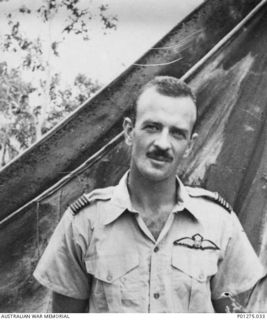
(159, 153)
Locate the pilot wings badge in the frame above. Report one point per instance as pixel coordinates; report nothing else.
(196, 242)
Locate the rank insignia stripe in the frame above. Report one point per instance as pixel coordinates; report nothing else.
(196, 192)
(197, 242)
(87, 199)
(79, 204)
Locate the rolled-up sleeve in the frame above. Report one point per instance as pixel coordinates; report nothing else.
(240, 268)
(61, 268)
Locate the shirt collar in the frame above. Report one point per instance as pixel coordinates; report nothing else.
(121, 202)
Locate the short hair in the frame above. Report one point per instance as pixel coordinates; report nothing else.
(168, 86)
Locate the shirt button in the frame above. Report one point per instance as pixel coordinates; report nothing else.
(201, 276)
(156, 295)
(109, 277)
(156, 249)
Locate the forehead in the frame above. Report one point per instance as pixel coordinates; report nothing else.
(153, 105)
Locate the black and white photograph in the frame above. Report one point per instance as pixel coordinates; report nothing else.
(133, 157)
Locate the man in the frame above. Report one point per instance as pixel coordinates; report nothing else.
(150, 244)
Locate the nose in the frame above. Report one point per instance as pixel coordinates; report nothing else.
(162, 141)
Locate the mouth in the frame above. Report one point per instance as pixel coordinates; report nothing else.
(159, 158)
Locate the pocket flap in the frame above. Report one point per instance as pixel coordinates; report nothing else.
(110, 268)
(195, 263)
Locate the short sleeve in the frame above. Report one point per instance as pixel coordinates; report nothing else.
(61, 268)
(240, 268)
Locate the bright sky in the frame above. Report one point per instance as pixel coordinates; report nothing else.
(141, 23)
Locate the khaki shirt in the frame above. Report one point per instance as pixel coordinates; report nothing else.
(107, 255)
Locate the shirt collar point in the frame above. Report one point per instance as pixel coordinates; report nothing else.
(185, 200)
(120, 201)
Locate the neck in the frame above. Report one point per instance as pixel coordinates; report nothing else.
(151, 195)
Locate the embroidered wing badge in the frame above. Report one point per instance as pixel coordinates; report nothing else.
(196, 242)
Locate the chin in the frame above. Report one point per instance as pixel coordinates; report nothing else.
(156, 175)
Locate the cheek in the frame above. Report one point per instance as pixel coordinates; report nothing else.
(138, 148)
(180, 149)
(140, 143)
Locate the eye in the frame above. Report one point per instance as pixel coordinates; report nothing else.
(178, 134)
(151, 127)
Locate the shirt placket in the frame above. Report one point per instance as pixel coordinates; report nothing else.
(157, 296)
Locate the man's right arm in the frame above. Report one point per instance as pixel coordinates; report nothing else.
(64, 304)
(62, 267)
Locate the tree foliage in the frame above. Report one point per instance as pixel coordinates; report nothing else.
(21, 117)
(17, 130)
(64, 101)
(29, 110)
(78, 15)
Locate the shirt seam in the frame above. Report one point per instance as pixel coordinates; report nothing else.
(248, 285)
(53, 287)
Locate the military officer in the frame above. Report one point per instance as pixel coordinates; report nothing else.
(150, 244)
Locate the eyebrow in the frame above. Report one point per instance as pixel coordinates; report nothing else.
(152, 122)
(180, 130)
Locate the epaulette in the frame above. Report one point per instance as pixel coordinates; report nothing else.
(213, 196)
(86, 199)
(79, 204)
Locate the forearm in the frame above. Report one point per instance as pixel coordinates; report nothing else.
(64, 304)
(232, 304)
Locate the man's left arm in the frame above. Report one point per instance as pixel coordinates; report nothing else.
(235, 304)
(238, 272)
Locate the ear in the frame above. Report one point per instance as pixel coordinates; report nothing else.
(128, 131)
(190, 145)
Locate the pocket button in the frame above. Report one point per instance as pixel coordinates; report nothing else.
(109, 277)
(201, 277)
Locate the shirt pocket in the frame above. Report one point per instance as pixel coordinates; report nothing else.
(113, 278)
(193, 268)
